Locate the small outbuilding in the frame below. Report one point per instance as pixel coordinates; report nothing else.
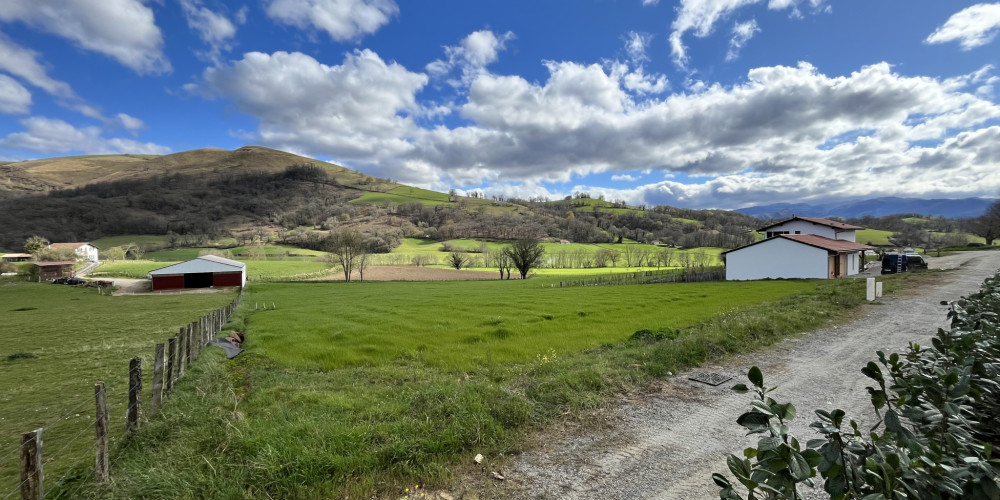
(795, 256)
(204, 272)
(54, 269)
(16, 257)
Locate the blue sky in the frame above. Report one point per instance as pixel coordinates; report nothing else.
(692, 103)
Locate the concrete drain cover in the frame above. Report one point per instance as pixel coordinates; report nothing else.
(710, 378)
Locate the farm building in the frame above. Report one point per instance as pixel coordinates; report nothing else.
(56, 269)
(15, 257)
(203, 272)
(795, 256)
(84, 250)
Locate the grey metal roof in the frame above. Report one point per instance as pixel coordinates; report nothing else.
(203, 264)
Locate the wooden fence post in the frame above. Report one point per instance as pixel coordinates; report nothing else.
(134, 411)
(171, 356)
(193, 332)
(187, 345)
(101, 465)
(31, 466)
(180, 353)
(154, 405)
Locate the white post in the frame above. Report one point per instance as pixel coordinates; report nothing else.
(871, 289)
(878, 289)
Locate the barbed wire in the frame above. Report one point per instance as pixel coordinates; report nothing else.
(75, 409)
(70, 443)
(221, 315)
(17, 489)
(70, 469)
(13, 451)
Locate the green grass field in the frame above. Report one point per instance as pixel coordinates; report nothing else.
(270, 251)
(144, 240)
(361, 390)
(872, 236)
(56, 342)
(328, 326)
(256, 269)
(554, 252)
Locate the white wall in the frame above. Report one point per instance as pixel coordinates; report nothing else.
(805, 227)
(87, 252)
(853, 263)
(777, 258)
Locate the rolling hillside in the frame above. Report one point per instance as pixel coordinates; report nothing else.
(208, 194)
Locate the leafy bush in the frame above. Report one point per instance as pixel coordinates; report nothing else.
(937, 407)
(660, 334)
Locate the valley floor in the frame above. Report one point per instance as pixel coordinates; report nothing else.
(666, 445)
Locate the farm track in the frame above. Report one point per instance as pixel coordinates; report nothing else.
(666, 444)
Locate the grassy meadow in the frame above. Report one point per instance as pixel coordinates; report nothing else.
(56, 342)
(361, 390)
(256, 269)
(326, 326)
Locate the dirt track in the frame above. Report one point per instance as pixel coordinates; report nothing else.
(667, 444)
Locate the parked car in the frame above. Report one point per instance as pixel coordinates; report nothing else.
(69, 281)
(915, 262)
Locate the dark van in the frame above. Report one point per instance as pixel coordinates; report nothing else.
(894, 263)
(898, 262)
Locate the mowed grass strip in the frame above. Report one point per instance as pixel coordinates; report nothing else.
(463, 325)
(56, 342)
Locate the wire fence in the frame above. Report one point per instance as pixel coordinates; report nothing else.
(86, 431)
(686, 275)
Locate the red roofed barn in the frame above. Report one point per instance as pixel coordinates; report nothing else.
(203, 272)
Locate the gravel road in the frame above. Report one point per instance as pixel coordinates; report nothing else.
(666, 445)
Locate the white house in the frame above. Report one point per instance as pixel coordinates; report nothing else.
(812, 225)
(795, 256)
(84, 250)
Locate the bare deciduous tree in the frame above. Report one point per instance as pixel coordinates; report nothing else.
(346, 245)
(456, 260)
(524, 255)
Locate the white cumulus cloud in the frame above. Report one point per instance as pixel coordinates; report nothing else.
(786, 132)
(742, 33)
(213, 28)
(972, 27)
(341, 19)
(359, 110)
(124, 30)
(475, 52)
(701, 16)
(14, 98)
(54, 136)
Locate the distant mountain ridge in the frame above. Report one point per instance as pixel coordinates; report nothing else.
(876, 207)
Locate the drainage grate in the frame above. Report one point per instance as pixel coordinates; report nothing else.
(710, 378)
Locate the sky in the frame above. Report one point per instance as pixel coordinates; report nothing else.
(691, 103)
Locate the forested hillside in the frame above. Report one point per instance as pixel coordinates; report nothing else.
(256, 191)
